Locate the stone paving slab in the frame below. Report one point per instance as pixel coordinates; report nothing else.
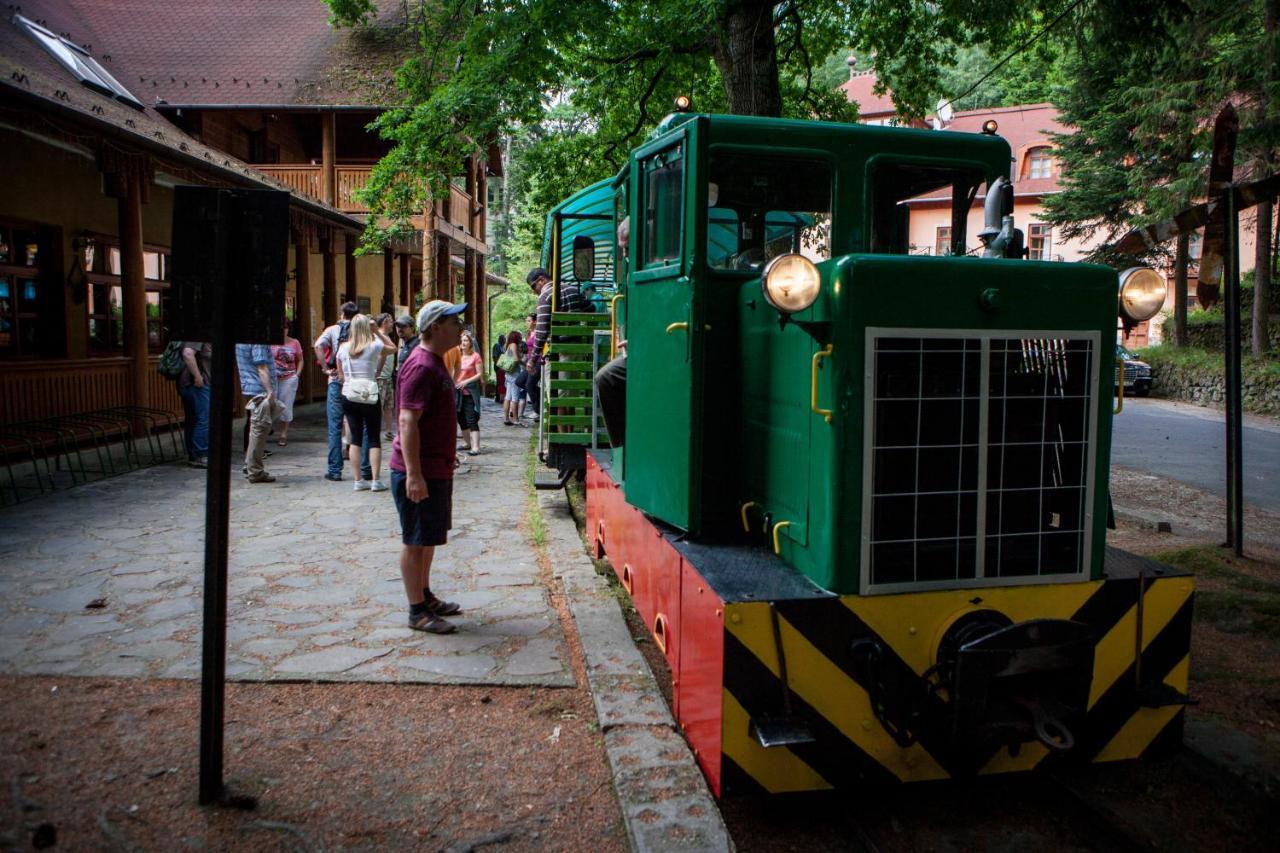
(314, 588)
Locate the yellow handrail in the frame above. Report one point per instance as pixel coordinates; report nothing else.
(746, 525)
(613, 324)
(777, 545)
(1119, 388)
(675, 326)
(825, 352)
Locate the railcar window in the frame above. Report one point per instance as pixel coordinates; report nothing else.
(663, 203)
(762, 207)
(895, 186)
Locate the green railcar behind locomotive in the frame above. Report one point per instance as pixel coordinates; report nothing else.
(863, 495)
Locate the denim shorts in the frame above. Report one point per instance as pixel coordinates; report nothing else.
(426, 522)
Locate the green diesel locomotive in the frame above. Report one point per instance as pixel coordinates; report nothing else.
(862, 500)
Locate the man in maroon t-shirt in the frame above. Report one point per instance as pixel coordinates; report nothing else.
(423, 458)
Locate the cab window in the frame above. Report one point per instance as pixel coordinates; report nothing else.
(663, 203)
(760, 207)
(895, 187)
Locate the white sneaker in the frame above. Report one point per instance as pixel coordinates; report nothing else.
(361, 486)
(378, 486)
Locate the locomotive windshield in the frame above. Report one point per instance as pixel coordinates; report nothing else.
(896, 184)
(762, 207)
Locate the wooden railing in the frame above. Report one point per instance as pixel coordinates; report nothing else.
(460, 208)
(350, 179)
(48, 389)
(303, 178)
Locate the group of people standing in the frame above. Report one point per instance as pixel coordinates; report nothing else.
(421, 377)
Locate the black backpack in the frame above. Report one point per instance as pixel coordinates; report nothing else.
(344, 332)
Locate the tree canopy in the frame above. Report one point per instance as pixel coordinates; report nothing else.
(484, 69)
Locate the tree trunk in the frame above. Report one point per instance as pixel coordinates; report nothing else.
(1180, 290)
(1263, 249)
(1262, 281)
(746, 53)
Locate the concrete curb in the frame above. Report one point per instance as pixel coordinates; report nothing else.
(665, 802)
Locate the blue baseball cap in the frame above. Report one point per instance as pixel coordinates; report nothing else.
(437, 309)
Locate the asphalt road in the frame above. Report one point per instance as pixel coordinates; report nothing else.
(1187, 443)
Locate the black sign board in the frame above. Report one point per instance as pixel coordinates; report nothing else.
(237, 240)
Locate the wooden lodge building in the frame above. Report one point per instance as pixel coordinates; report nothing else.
(107, 105)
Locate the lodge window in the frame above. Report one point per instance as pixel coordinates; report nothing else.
(102, 265)
(1039, 163)
(30, 292)
(663, 205)
(1039, 241)
(942, 243)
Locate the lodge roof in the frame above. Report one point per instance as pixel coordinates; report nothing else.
(38, 95)
(279, 54)
(858, 89)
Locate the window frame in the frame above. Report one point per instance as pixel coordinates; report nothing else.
(44, 273)
(817, 155)
(879, 161)
(1040, 155)
(109, 280)
(1043, 232)
(942, 241)
(679, 146)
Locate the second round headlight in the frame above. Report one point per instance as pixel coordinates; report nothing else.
(791, 283)
(1142, 293)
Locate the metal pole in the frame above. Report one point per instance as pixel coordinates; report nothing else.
(1231, 313)
(217, 531)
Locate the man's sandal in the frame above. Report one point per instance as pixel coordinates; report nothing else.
(432, 624)
(443, 608)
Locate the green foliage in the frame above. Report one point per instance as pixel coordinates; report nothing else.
(1142, 84)
(1027, 78)
(511, 308)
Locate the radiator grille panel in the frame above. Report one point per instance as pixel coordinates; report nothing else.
(979, 463)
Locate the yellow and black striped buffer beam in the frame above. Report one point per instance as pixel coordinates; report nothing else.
(838, 701)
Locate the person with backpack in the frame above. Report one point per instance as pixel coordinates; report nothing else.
(196, 360)
(326, 348)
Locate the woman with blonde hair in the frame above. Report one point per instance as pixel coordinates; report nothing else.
(359, 362)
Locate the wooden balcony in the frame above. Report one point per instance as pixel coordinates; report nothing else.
(308, 179)
(302, 178)
(349, 180)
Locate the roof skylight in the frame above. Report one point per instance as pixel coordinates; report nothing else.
(78, 61)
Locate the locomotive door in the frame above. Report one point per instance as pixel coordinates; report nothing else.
(666, 331)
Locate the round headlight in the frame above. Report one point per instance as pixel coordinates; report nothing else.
(1142, 292)
(791, 283)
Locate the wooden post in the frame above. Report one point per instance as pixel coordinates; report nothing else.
(482, 304)
(328, 182)
(471, 195)
(330, 282)
(352, 285)
(482, 200)
(469, 286)
(134, 293)
(306, 335)
(444, 288)
(406, 281)
(388, 280)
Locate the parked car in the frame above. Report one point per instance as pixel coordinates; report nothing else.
(1137, 373)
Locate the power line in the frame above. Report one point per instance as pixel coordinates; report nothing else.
(1019, 49)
